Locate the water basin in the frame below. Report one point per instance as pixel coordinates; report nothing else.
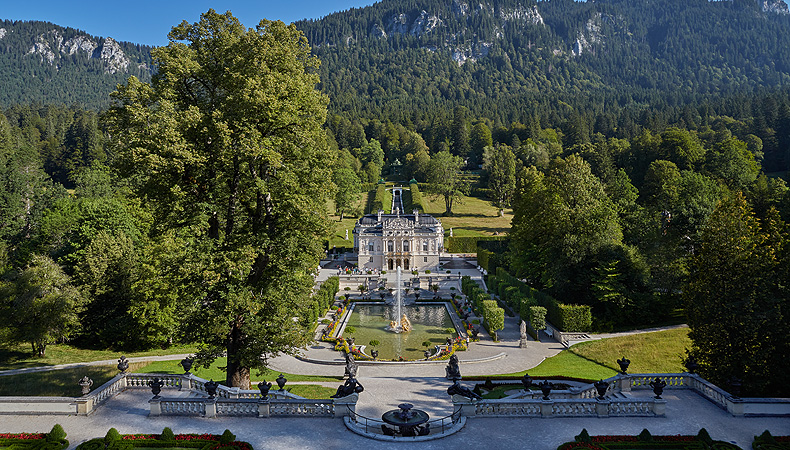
(430, 323)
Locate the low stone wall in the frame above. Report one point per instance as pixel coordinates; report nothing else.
(583, 402)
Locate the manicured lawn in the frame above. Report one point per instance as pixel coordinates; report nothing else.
(215, 373)
(55, 383)
(658, 352)
(565, 364)
(473, 217)
(18, 357)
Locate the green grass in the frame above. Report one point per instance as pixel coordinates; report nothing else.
(20, 356)
(566, 364)
(215, 373)
(472, 217)
(55, 383)
(311, 390)
(657, 352)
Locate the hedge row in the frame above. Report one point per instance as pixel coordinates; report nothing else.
(467, 244)
(367, 187)
(474, 292)
(521, 297)
(323, 299)
(416, 197)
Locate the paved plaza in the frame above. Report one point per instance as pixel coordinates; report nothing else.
(422, 384)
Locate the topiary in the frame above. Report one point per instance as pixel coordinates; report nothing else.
(584, 436)
(167, 435)
(57, 434)
(227, 437)
(704, 436)
(112, 436)
(645, 436)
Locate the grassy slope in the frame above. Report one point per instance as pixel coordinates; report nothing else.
(215, 373)
(472, 217)
(18, 357)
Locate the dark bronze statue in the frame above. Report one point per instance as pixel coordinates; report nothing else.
(211, 388)
(264, 387)
(351, 386)
(351, 366)
(281, 380)
(601, 386)
(186, 363)
(546, 388)
(457, 389)
(123, 364)
(624, 363)
(526, 380)
(453, 370)
(156, 386)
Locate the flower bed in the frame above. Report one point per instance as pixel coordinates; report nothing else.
(54, 440)
(645, 440)
(116, 441)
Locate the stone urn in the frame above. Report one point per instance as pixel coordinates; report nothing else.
(186, 363)
(374, 354)
(264, 387)
(85, 383)
(546, 388)
(211, 388)
(156, 386)
(624, 363)
(658, 386)
(281, 380)
(526, 380)
(601, 386)
(123, 364)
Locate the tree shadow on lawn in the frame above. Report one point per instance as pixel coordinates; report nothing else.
(17, 359)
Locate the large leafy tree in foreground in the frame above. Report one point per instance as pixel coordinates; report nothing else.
(737, 300)
(227, 148)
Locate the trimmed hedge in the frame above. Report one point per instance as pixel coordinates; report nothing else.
(645, 440)
(494, 317)
(54, 440)
(467, 244)
(379, 199)
(116, 441)
(416, 197)
(521, 297)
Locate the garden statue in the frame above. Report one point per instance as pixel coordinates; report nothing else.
(475, 333)
(374, 354)
(211, 388)
(601, 386)
(264, 387)
(156, 386)
(351, 386)
(546, 388)
(522, 343)
(123, 364)
(453, 370)
(186, 363)
(658, 386)
(526, 380)
(624, 363)
(457, 389)
(281, 380)
(85, 383)
(449, 343)
(351, 366)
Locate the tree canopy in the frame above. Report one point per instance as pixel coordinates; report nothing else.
(226, 147)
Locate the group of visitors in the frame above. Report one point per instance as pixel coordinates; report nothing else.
(357, 271)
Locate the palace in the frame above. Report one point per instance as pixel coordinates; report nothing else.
(387, 241)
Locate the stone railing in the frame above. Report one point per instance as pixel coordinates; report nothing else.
(580, 402)
(620, 407)
(224, 407)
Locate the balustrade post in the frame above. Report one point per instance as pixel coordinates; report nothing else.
(467, 407)
(602, 407)
(264, 409)
(211, 407)
(546, 407)
(624, 382)
(735, 406)
(155, 407)
(233, 392)
(660, 407)
(345, 406)
(186, 382)
(84, 405)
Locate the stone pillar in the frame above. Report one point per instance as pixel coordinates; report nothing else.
(660, 407)
(345, 406)
(735, 406)
(624, 382)
(186, 382)
(84, 405)
(546, 407)
(602, 407)
(155, 407)
(211, 407)
(263, 408)
(467, 405)
(233, 392)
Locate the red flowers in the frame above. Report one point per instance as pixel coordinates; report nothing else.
(179, 437)
(22, 435)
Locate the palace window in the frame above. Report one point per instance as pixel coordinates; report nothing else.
(370, 246)
(425, 245)
(405, 246)
(390, 246)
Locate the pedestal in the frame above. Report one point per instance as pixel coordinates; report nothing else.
(155, 407)
(602, 408)
(263, 408)
(467, 406)
(211, 407)
(346, 406)
(546, 407)
(522, 343)
(660, 407)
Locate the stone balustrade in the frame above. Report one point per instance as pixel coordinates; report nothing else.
(620, 407)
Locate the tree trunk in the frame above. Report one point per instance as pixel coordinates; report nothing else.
(237, 374)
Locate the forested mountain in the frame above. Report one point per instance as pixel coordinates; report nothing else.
(508, 58)
(45, 63)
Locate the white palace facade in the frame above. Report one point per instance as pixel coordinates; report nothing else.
(387, 241)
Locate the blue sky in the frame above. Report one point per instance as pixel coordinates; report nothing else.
(149, 21)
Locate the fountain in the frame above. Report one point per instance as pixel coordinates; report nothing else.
(401, 323)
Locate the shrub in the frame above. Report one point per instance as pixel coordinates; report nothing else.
(537, 317)
(56, 434)
(227, 437)
(167, 435)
